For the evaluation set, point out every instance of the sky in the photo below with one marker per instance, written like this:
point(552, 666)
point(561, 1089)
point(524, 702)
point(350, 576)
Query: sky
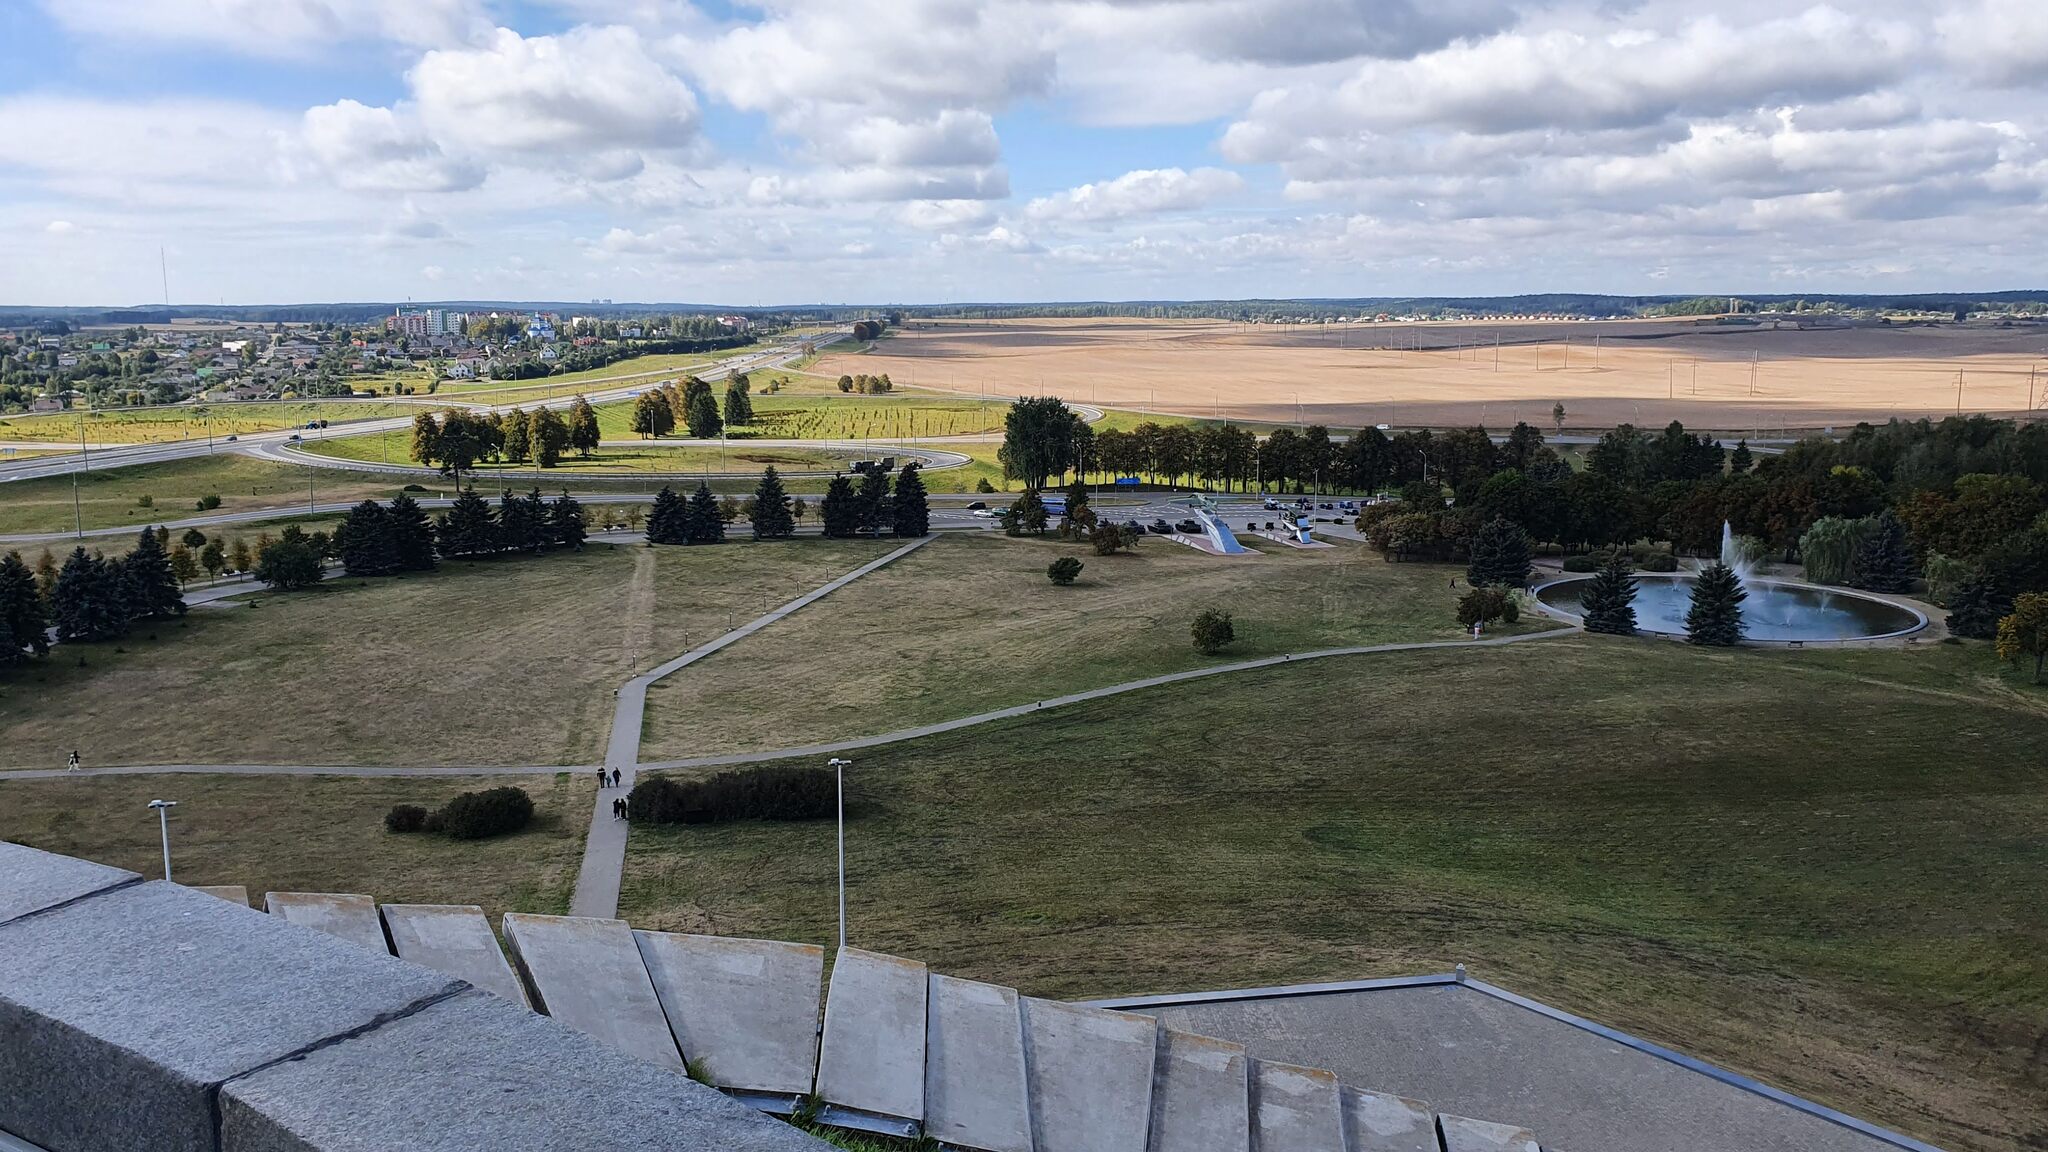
point(863, 151)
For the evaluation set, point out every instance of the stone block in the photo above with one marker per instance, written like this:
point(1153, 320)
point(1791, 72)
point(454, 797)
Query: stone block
point(1378, 1122)
point(1091, 1076)
point(1201, 1095)
point(32, 880)
point(455, 939)
point(872, 1056)
point(1464, 1135)
point(232, 893)
point(587, 973)
point(120, 1013)
point(1295, 1109)
point(747, 1008)
point(975, 1091)
point(476, 1072)
point(352, 918)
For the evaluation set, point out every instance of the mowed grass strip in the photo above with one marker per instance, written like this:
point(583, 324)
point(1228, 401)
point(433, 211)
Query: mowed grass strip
point(312, 834)
point(969, 624)
point(1824, 869)
point(112, 497)
point(157, 425)
point(512, 660)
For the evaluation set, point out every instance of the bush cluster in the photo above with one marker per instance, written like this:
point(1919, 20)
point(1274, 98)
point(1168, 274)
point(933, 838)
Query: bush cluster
point(770, 793)
point(1485, 605)
point(469, 816)
point(1641, 557)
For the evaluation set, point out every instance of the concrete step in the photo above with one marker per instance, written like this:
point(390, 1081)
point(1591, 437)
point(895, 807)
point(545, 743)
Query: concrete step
point(1091, 1075)
point(871, 1060)
point(351, 917)
point(456, 939)
point(232, 893)
point(975, 1091)
point(1465, 1135)
point(587, 973)
point(1378, 1122)
point(1201, 1098)
point(1295, 1109)
point(747, 1008)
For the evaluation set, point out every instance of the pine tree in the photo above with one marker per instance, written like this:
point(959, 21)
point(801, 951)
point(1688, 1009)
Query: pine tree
point(367, 546)
point(1885, 562)
point(86, 604)
point(1715, 617)
point(1742, 459)
point(665, 524)
point(1499, 555)
point(565, 522)
point(584, 435)
point(1977, 606)
point(873, 502)
point(706, 526)
point(12, 653)
point(772, 519)
point(739, 406)
point(1609, 604)
point(412, 534)
point(840, 513)
point(913, 510)
point(149, 588)
point(22, 610)
point(522, 521)
point(468, 528)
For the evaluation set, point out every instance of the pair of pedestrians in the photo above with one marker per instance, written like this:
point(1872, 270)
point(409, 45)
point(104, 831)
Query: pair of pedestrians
point(619, 808)
point(602, 777)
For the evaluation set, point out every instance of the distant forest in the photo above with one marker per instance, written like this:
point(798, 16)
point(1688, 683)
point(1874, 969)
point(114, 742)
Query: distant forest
point(1436, 307)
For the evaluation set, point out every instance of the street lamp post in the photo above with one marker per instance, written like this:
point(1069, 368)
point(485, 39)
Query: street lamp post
point(163, 823)
point(839, 768)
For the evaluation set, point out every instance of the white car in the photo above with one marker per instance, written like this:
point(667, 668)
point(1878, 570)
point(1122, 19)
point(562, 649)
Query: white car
point(985, 513)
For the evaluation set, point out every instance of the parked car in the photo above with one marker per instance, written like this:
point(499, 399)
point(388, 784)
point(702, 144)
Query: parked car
point(984, 513)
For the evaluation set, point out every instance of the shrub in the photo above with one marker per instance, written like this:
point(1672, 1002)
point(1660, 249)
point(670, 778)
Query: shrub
point(432, 822)
point(492, 812)
point(209, 503)
point(1658, 562)
point(983, 486)
point(1063, 570)
point(1588, 563)
point(1484, 605)
point(414, 488)
point(768, 793)
point(1212, 631)
point(145, 501)
point(405, 818)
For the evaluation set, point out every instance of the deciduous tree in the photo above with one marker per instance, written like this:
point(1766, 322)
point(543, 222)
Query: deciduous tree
point(584, 435)
point(2024, 633)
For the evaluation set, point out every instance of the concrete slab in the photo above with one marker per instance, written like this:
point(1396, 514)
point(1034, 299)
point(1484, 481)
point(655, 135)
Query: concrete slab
point(975, 1091)
point(1463, 1135)
point(1091, 1076)
point(351, 917)
point(872, 1055)
point(1378, 1122)
point(32, 880)
point(1295, 1109)
point(232, 893)
point(1201, 1095)
point(477, 1072)
point(747, 1008)
point(456, 939)
point(120, 1013)
point(587, 973)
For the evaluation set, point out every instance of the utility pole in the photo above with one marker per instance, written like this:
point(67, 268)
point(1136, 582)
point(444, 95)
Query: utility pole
point(77, 511)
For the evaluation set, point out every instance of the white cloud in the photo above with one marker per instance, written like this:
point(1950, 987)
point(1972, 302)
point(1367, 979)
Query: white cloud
point(2004, 42)
point(377, 149)
point(1144, 192)
point(587, 90)
point(60, 227)
point(273, 27)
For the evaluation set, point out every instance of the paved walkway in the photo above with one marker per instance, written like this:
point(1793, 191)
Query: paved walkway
point(604, 850)
point(294, 770)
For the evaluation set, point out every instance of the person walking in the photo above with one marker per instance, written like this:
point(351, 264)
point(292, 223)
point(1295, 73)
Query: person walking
point(615, 777)
point(600, 780)
point(72, 765)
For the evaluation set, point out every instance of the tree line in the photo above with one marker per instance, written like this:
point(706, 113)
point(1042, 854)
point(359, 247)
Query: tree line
point(92, 597)
point(459, 439)
point(661, 409)
point(869, 509)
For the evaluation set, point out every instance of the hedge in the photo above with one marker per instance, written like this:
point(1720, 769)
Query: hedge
point(492, 812)
point(769, 793)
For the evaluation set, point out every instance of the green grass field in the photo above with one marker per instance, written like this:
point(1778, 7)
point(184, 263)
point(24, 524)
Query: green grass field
point(191, 422)
point(506, 661)
point(1821, 868)
point(312, 834)
point(819, 416)
point(989, 631)
point(108, 498)
point(658, 456)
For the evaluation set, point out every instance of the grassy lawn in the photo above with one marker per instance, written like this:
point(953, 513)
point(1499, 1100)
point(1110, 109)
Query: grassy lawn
point(1825, 869)
point(508, 661)
point(113, 497)
point(657, 456)
point(970, 623)
point(155, 425)
point(312, 834)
